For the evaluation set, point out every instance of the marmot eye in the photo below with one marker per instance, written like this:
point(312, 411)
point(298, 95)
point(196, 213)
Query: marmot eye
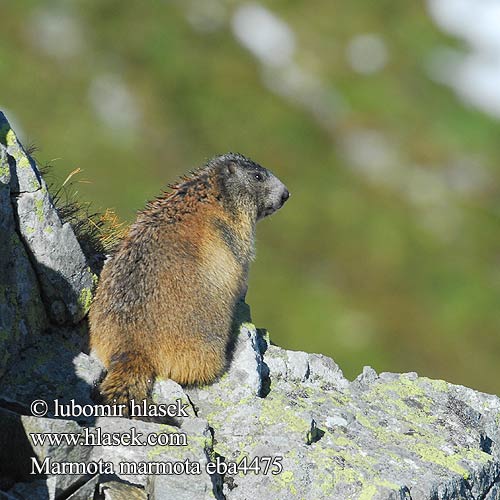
point(258, 177)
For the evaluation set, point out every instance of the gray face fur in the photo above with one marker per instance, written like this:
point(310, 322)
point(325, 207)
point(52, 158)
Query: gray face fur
point(250, 186)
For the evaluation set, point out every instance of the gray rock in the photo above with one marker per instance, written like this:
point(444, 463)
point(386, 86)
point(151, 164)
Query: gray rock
point(60, 453)
point(66, 279)
point(494, 492)
point(87, 491)
point(166, 470)
point(377, 437)
point(114, 490)
point(52, 367)
point(22, 314)
point(41, 489)
point(186, 486)
point(88, 368)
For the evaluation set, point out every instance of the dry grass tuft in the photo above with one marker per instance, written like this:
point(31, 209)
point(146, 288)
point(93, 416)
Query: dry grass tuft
point(98, 233)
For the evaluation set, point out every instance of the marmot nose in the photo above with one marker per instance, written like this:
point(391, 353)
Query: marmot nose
point(285, 196)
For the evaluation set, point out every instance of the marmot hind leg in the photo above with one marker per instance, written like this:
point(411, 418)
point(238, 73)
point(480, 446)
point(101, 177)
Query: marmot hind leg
point(129, 377)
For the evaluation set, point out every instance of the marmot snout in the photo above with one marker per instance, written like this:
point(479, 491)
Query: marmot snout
point(166, 298)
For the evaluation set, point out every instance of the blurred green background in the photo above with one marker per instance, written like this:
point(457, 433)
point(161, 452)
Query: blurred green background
point(388, 252)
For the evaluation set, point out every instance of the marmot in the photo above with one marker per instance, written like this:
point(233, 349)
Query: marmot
point(165, 301)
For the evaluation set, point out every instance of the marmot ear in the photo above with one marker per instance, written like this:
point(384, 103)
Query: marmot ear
point(231, 168)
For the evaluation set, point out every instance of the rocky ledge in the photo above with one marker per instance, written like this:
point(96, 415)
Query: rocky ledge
point(278, 425)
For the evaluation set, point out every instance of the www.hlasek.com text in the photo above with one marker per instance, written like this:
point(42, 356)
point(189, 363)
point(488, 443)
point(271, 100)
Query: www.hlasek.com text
point(96, 437)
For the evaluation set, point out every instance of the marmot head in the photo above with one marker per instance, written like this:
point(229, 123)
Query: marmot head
point(249, 187)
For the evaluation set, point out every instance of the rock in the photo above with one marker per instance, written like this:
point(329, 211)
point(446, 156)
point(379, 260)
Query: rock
point(377, 437)
point(45, 489)
point(190, 484)
point(22, 313)
point(88, 368)
point(60, 453)
point(278, 425)
point(52, 367)
point(114, 490)
point(66, 280)
point(87, 491)
point(170, 445)
point(168, 391)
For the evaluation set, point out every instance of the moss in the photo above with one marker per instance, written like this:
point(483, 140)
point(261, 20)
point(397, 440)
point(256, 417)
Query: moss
point(439, 385)
point(343, 441)
point(436, 456)
point(406, 399)
point(23, 162)
point(5, 170)
point(243, 446)
point(39, 209)
point(382, 434)
point(10, 137)
point(85, 299)
point(285, 481)
point(477, 456)
point(275, 409)
point(368, 492)
point(242, 455)
point(20, 156)
point(350, 466)
point(347, 476)
point(34, 183)
point(387, 484)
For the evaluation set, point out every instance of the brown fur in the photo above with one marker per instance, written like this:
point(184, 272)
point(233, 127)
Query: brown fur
point(166, 298)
